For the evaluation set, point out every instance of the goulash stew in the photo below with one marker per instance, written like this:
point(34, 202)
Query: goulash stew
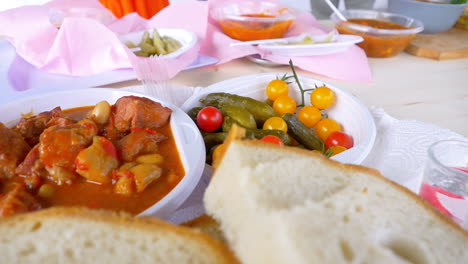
point(120, 157)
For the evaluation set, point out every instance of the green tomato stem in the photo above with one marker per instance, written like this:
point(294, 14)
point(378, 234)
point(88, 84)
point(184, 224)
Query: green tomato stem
point(298, 84)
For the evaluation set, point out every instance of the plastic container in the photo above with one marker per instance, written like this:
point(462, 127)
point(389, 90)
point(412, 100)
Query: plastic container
point(351, 113)
point(187, 136)
point(436, 17)
point(187, 39)
point(380, 42)
point(251, 20)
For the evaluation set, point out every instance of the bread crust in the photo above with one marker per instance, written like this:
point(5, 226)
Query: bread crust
point(208, 225)
point(235, 133)
point(356, 168)
point(123, 220)
point(202, 221)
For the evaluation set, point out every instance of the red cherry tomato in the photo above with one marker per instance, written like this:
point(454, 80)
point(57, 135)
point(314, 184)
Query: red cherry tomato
point(339, 138)
point(272, 139)
point(209, 119)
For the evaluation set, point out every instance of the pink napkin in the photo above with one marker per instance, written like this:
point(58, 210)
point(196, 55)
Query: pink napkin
point(351, 65)
point(90, 45)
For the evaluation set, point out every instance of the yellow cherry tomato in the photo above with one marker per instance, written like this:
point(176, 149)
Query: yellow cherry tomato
point(275, 123)
point(325, 127)
point(284, 104)
point(309, 116)
point(322, 97)
point(336, 150)
point(276, 88)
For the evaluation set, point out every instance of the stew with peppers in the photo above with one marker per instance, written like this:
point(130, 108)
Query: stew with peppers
point(120, 157)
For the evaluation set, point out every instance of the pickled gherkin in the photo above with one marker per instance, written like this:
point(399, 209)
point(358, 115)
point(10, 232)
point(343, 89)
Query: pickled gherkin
point(154, 45)
point(240, 115)
point(260, 110)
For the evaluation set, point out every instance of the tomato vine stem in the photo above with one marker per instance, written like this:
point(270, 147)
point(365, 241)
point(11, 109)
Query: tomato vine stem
point(303, 91)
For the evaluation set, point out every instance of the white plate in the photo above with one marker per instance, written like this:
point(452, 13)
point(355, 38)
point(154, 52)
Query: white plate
point(341, 43)
point(187, 38)
point(187, 136)
point(351, 113)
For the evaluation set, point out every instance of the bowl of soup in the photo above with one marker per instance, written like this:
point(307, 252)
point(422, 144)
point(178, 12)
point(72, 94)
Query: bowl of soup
point(385, 34)
point(97, 148)
point(253, 20)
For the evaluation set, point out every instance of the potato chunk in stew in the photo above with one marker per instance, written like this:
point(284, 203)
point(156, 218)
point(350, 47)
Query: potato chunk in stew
point(133, 175)
point(125, 185)
point(145, 174)
point(97, 161)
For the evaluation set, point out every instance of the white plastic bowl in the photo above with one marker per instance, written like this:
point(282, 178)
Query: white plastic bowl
point(187, 136)
point(351, 113)
point(186, 38)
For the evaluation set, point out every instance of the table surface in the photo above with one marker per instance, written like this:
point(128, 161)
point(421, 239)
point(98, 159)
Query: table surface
point(406, 87)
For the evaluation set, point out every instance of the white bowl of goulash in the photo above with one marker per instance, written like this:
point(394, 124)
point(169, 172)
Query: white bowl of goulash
point(98, 148)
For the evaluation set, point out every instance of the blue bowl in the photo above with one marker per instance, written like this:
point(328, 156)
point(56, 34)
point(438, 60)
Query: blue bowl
point(436, 17)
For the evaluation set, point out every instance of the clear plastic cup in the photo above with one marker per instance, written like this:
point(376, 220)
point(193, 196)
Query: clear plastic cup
point(379, 42)
point(445, 178)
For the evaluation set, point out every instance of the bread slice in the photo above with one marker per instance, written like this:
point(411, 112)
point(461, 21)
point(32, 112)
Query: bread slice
point(76, 235)
point(286, 205)
point(207, 225)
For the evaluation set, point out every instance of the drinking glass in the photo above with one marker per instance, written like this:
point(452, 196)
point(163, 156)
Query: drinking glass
point(445, 179)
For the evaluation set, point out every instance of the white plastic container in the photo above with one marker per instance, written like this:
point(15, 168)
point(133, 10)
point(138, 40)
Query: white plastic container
point(187, 136)
point(186, 38)
point(351, 113)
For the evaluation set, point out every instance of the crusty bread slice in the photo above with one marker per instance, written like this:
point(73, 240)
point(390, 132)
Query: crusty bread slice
point(76, 235)
point(285, 205)
point(208, 225)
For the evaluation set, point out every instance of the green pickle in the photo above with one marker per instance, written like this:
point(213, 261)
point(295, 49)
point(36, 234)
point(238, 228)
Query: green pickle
point(303, 134)
point(130, 44)
point(260, 110)
point(227, 123)
point(156, 45)
point(243, 117)
point(260, 133)
point(213, 139)
point(192, 113)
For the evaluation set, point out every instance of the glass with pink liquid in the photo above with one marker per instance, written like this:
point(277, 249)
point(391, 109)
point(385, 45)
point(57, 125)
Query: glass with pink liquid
point(445, 181)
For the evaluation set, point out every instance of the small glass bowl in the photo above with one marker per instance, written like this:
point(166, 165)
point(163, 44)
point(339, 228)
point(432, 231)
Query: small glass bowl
point(251, 20)
point(379, 43)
